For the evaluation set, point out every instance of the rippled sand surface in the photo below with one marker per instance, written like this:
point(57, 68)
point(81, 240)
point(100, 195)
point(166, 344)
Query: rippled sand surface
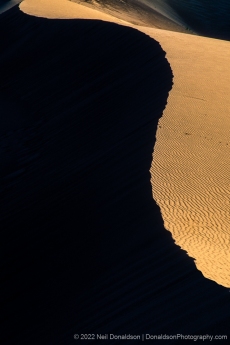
point(190, 170)
point(191, 166)
point(85, 249)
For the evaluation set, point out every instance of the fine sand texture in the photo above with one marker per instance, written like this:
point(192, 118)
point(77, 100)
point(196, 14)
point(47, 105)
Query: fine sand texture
point(190, 171)
point(204, 17)
point(137, 13)
point(84, 248)
point(63, 9)
point(191, 166)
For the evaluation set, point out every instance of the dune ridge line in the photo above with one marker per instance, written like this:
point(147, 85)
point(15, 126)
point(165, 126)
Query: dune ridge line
point(194, 129)
point(95, 252)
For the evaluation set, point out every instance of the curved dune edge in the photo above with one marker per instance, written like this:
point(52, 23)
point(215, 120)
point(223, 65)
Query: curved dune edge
point(156, 288)
point(76, 197)
point(62, 9)
point(190, 169)
point(191, 166)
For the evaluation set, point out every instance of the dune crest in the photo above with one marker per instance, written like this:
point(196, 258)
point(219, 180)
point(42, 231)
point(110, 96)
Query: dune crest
point(76, 197)
point(62, 9)
point(194, 129)
point(93, 252)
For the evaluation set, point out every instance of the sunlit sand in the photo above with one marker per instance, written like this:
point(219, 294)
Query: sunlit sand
point(114, 173)
point(191, 166)
point(61, 9)
point(190, 170)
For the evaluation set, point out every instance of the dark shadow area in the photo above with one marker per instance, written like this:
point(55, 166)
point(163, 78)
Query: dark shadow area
point(82, 241)
point(7, 4)
point(208, 18)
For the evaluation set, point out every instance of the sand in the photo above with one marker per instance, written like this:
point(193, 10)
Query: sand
point(188, 184)
point(75, 164)
point(190, 170)
point(62, 9)
point(85, 248)
point(202, 17)
point(208, 18)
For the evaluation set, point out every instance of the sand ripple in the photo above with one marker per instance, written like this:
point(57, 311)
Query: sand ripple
point(191, 166)
point(85, 248)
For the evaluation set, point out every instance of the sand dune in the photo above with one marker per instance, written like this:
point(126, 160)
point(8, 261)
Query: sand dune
point(209, 18)
point(190, 170)
point(203, 17)
point(137, 13)
point(189, 185)
point(62, 9)
point(76, 166)
point(85, 249)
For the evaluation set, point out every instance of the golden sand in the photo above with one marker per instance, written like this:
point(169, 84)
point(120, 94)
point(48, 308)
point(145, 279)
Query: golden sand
point(191, 167)
point(63, 9)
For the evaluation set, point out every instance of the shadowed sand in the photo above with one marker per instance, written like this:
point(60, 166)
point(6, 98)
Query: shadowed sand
point(203, 17)
point(7, 4)
point(85, 249)
point(135, 12)
point(208, 18)
point(195, 142)
point(75, 184)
